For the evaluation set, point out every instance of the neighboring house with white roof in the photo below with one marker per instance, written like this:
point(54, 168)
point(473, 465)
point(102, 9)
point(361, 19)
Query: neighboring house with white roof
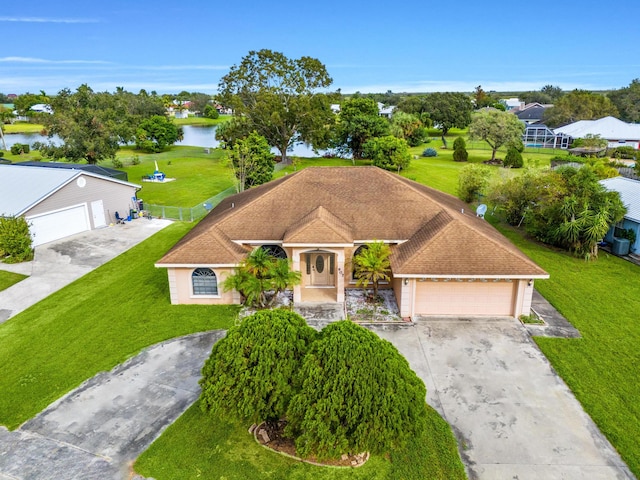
point(629, 191)
point(615, 131)
point(512, 103)
point(386, 112)
point(61, 202)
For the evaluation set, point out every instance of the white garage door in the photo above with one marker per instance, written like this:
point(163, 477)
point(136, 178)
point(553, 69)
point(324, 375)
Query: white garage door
point(59, 224)
point(464, 298)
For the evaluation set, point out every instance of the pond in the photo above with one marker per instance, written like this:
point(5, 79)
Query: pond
point(194, 136)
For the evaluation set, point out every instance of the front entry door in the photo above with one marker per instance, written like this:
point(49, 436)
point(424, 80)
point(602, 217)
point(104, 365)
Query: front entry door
point(320, 269)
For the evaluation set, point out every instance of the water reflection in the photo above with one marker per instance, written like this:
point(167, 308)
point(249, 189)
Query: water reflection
point(194, 136)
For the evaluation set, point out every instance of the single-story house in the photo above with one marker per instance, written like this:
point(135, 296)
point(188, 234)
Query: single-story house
point(531, 113)
point(615, 131)
point(629, 191)
point(445, 260)
point(62, 202)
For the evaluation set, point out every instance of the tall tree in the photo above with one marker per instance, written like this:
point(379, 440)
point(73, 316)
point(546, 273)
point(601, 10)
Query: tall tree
point(278, 97)
point(359, 121)
point(408, 127)
point(482, 99)
point(579, 105)
point(252, 161)
point(83, 122)
point(157, 133)
point(449, 110)
point(496, 128)
point(627, 101)
point(372, 265)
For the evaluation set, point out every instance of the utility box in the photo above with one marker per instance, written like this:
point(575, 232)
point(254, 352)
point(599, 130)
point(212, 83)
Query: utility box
point(620, 246)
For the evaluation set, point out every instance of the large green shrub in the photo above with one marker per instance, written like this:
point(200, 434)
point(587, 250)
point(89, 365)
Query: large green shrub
point(15, 240)
point(251, 373)
point(358, 394)
point(459, 143)
point(19, 148)
point(513, 158)
point(388, 152)
point(460, 155)
point(472, 181)
point(628, 153)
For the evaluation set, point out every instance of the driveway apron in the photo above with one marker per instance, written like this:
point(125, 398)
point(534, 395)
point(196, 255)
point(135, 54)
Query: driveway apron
point(513, 417)
point(99, 429)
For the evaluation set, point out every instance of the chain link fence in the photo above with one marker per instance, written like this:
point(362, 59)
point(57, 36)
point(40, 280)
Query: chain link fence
point(188, 214)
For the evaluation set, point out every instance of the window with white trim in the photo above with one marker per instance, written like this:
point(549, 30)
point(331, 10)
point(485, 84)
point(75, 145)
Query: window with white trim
point(204, 282)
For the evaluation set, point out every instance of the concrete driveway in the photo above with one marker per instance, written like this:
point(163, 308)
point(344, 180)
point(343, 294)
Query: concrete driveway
point(96, 431)
point(513, 417)
point(57, 264)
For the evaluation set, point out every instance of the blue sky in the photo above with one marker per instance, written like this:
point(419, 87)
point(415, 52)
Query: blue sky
point(374, 46)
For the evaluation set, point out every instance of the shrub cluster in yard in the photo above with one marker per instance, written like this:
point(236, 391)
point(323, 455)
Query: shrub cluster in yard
point(429, 152)
point(343, 390)
point(15, 240)
point(19, 148)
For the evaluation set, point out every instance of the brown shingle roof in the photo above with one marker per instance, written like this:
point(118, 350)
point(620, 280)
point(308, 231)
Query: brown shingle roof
point(347, 204)
point(207, 247)
point(319, 226)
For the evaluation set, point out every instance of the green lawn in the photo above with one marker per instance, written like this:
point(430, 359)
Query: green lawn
point(198, 175)
point(22, 127)
point(601, 299)
point(9, 278)
point(202, 446)
point(201, 120)
point(94, 324)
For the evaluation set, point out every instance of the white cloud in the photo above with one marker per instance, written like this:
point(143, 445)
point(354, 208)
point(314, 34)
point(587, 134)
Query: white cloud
point(45, 61)
point(48, 20)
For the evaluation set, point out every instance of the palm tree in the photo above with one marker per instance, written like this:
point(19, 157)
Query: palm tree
point(260, 271)
point(282, 277)
point(372, 265)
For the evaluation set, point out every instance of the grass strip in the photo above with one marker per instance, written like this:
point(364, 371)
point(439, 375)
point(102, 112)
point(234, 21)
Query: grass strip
point(94, 324)
point(198, 445)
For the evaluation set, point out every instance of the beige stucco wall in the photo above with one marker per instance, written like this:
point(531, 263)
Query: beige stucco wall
point(181, 291)
point(114, 196)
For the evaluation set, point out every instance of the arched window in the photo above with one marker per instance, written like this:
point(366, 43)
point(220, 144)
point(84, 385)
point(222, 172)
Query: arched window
point(353, 265)
point(204, 282)
point(275, 251)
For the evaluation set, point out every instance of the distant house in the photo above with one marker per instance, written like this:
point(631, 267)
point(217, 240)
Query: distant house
point(386, 112)
point(531, 113)
point(41, 108)
point(615, 131)
point(335, 108)
point(629, 191)
point(60, 202)
point(512, 103)
point(445, 259)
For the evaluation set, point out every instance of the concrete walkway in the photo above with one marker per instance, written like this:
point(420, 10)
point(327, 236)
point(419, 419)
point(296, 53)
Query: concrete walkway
point(99, 429)
point(57, 264)
point(513, 417)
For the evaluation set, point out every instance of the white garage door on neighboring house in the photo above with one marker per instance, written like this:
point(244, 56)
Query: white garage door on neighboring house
point(51, 226)
point(464, 298)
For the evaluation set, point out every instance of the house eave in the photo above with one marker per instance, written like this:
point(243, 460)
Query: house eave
point(195, 265)
point(476, 277)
